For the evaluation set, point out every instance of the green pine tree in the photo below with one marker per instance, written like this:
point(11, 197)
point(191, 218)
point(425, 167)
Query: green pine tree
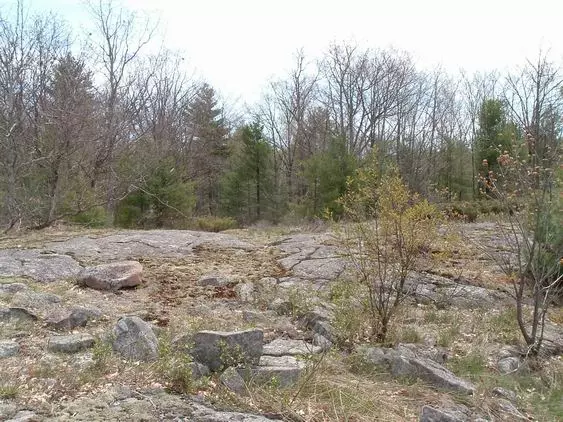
point(247, 186)
point(326, 173)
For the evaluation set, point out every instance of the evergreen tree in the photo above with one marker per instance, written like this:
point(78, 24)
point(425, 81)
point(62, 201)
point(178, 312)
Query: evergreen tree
point(326, 173)
point(248, 185)
point(207, 150)
point(495, 133)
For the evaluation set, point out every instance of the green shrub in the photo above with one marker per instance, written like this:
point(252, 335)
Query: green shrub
point(94, 217)
point(175, 366)
point(351, 320)
point(471, 365)
point(215, 224)
point(8, 392)
point(163, 200)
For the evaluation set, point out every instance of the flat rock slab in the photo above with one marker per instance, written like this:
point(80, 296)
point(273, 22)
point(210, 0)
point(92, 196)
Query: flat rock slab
point(218, 349)
point(205, 414)
point(309, 258)
point(24, 416)
point(37, 264)
point(135, 339)
point(431, 288)
point(281, 347)
point(279, 376)
point(72, 343)
point(149, 243)
point(281, 361)
point(213, 280)
point(8, 348)
point(431, 414)
point(112, 276)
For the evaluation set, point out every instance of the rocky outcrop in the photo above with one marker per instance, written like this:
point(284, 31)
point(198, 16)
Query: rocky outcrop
point(135, 339)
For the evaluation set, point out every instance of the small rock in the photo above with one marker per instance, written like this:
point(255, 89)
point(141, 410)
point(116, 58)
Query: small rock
point(321, 341)
point(78, 317)
point(254, 317)
point(12, 287)
point(505, 393)
point(375, 355)
point(430, 340)
point(281, 307)
point(280, 347)
point(317, 321)
point(199, 370)
point(268, 282)
point(217, 349)
point(7, 410)
point(84, 361)
point(245, 292)
point(431, 414)
point(508, 351)
point(231, 379)
point(134, 339)
point(24, 416)
point(508, 365)
point(508, 407)
point(71, 343)
point(8, 348)
point(213, 280)
point(112, 276)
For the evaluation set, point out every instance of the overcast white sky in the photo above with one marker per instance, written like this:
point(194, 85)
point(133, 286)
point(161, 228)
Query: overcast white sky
point(238, 45)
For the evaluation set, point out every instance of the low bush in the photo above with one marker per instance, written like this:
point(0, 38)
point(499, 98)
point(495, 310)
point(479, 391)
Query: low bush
point(215, 224)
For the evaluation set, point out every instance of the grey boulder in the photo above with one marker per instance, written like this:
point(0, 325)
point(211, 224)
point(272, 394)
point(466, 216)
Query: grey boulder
point(218, 350)
point(135, 339)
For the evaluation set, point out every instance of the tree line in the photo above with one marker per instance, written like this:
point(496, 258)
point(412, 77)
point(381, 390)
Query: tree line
point(106, 132)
